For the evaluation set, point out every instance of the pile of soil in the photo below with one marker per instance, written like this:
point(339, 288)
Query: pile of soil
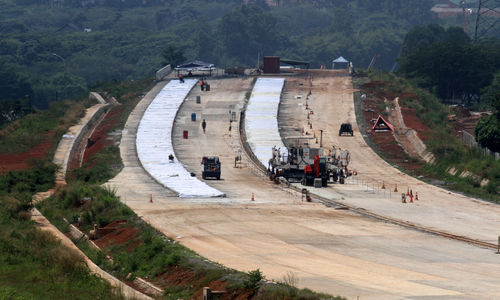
point(120, 234)
point(463, 120)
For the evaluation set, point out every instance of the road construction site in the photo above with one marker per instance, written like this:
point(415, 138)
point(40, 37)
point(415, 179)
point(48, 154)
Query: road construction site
point(353, 246)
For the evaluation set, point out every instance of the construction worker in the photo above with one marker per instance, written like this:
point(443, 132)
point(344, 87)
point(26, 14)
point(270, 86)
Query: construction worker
point(203, 125)
point(202, 84)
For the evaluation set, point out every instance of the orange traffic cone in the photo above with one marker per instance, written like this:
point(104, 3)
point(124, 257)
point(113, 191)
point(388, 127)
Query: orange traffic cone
point(383, 185)
point(396, 188)
point(408, 191)
point(150, 198)
point(416, 196)
point(253, 198)
point(411, 198)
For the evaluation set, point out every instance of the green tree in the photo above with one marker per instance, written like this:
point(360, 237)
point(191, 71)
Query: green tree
point(13, 84)
point(246, 31)
point(488, 93)
point(448, 62)
point(487, 130)
point(253, 279)
point(173, 56)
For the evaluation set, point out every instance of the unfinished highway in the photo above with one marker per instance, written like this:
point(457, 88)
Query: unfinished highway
point(328, 250)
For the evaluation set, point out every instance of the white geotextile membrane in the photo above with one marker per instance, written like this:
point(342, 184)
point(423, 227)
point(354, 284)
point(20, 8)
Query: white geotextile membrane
point(261, 118)
point(154, 143)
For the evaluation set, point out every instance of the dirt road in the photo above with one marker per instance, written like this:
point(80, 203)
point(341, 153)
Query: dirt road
point(332, 104)
point(328, 250)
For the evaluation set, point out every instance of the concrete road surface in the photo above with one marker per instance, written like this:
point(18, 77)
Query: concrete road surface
point(328, 250)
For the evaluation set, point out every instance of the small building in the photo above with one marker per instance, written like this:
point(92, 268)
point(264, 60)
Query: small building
point(340, 63)
point(382, 125)
point(272, 64)
point(199, 67)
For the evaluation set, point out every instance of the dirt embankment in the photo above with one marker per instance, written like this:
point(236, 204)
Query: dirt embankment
point(373, 106)
point(121, 233)
point(21, 161)
point(101, 137)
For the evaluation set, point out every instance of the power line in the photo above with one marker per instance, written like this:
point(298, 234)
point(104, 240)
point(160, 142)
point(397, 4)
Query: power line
point(487, 19)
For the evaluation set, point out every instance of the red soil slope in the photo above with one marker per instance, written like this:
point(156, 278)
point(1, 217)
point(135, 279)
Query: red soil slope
point(20, 161)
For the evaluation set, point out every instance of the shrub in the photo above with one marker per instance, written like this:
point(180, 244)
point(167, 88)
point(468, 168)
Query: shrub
point(253, 279)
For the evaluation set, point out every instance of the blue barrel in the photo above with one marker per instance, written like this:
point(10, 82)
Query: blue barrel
point(193, 117)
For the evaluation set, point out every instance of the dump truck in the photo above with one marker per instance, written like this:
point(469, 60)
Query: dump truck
point(210, 167)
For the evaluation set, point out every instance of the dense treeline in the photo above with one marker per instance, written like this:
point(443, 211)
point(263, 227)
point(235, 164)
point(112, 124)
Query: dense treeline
point(449, 63)
point(56, 49)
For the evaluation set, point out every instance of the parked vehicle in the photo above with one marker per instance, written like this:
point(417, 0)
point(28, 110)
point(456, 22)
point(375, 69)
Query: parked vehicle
point(346, 128)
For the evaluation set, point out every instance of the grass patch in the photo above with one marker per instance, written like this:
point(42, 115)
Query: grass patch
point(23, 184)
point(26, 133)
point(33, 264)
point(103, 166)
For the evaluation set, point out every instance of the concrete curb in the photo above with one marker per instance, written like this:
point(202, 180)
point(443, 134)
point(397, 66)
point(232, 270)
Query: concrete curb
point(412, 136)
point(65, 150)
point(68, 143)
point(97, 97)
point(124, 289)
